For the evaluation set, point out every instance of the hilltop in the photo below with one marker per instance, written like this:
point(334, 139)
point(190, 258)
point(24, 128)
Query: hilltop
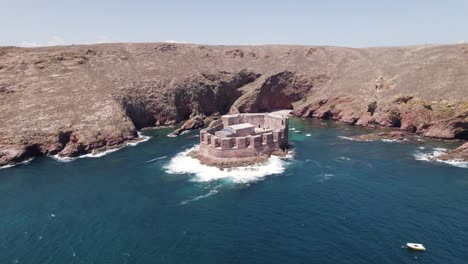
point(71, 100)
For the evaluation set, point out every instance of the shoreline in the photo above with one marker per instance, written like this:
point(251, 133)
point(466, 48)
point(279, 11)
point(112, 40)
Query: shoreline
point(96, 153)
point(141, 138)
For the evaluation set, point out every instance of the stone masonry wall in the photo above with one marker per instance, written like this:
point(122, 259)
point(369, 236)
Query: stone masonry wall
point(248, 146)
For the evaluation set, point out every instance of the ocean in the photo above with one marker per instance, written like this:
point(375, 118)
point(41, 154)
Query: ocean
point(333, 200)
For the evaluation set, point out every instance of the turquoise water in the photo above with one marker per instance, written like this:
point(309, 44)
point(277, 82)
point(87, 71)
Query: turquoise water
point(335, 201)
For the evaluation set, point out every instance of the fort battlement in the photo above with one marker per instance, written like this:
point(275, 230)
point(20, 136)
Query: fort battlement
point(243, 136)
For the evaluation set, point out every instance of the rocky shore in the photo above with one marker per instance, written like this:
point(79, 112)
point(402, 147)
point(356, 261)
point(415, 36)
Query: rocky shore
point(74, 100)
point(458, 154)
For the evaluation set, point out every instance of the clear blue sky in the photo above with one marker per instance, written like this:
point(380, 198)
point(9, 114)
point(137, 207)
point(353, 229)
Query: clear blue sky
point(357, 23)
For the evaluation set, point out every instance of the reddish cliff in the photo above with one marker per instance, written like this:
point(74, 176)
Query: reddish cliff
point(72, 100)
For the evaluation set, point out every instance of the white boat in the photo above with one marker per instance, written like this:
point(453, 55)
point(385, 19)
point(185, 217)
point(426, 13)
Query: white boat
point(416, 246)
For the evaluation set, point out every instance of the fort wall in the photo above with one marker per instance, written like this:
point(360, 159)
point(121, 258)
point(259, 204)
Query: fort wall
point(270, 135)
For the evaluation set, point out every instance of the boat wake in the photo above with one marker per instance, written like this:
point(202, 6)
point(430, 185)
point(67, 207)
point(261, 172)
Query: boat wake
point(196, 198)
point(158, 158)
point(182, 163)
point(437, 152)
point(141, 139)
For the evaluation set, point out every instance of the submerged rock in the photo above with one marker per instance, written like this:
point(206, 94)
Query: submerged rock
point(393, 135)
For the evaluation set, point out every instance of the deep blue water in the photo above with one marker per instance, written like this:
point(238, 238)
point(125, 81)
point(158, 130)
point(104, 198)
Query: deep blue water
point(337, 201)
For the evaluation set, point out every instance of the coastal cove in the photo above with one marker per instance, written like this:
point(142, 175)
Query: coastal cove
point(333, 200)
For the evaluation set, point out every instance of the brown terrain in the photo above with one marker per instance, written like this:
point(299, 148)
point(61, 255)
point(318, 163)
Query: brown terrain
point(72, 100)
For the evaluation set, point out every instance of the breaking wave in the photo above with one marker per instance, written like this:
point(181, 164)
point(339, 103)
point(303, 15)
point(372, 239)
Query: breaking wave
point(367, 140)
point(142, 138)
point(350, 138)
point(343, 158)
point(16, 164)
point(182, 163)
point(391, 140)
point(437, 152)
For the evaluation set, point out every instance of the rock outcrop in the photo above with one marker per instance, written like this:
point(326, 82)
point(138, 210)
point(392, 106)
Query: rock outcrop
point(193, 123)
point(73, 100)
point(392, 135)
point(458, 154)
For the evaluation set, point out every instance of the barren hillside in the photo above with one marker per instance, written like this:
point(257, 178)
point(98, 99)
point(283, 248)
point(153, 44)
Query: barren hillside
point(75, 99)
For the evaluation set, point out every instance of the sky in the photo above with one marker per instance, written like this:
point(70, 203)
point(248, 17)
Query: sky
point(357, 23)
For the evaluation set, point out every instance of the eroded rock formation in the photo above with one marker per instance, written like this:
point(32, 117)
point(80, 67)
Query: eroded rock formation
point(77, 99)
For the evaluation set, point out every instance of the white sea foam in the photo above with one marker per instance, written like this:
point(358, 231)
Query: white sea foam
point(297, 131)
point(308, 135)
point(347, 138)
point(367, 140)
point(171, 135)
point(390, 140)
point(292, 129)
point(89, 155)
point(456, 163)
point(196, 198)
point(184, 164)
point(350, 138)
point(16, 164)
point(324, 177)
point(7, 166)
point(344, 158)
point(141, 138)
point(93, 154)
point(432, 157)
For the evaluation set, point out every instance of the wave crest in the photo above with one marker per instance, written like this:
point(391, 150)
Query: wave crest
point(16, 164)
point(141, 138)
point(437, 152)
point(182, 163)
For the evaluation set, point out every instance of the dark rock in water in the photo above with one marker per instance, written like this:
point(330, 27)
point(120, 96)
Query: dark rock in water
point(393, 135)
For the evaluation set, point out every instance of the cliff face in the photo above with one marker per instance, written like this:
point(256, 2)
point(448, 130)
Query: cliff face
point(72, 100)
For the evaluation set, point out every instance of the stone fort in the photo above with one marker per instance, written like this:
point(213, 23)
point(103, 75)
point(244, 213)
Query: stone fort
point(240, 137)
